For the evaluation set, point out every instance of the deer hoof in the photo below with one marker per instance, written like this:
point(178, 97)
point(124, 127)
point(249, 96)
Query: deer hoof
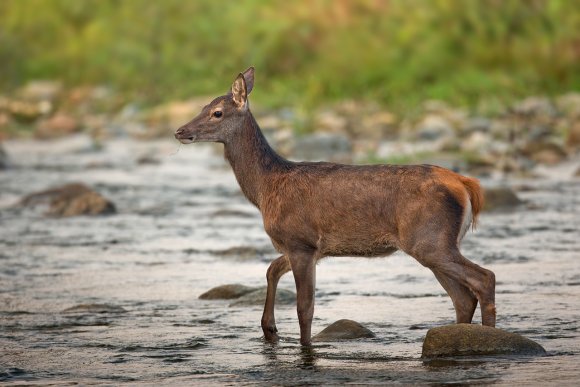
point(271, 334)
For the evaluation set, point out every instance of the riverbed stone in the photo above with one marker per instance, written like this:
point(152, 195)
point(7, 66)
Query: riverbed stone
point(569, 104)
point(500, 198)
point(95, 308)
point(545, 152)
point(257, 297)
point(226, 292)
point(323, 146)
point(40, 90)
point(573, 138)
point(343, 330)
point(71, 200)
point(433, 127)
point(477, 340)
point(535, 106)
point(60, 124)
point(477, 124)
point(3, 158)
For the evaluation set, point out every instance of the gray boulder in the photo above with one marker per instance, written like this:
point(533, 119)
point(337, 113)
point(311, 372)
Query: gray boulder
point(71, 200)
point(323, 147)
point(500, 198)
point(573, 138)
point(535, 106)
point(476, 340)
point(3, 158)
point(226, 292)
point(433, 127)
point(257, 297)
point(343, 330)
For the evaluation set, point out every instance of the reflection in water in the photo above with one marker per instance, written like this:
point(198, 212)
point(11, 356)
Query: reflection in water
point(136, 312)
point(308, 358)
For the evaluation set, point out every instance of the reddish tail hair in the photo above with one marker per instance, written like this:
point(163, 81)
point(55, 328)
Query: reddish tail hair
point(475, 196)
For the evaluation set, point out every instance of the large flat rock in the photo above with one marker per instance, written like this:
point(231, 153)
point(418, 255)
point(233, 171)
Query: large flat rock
point(476, 340)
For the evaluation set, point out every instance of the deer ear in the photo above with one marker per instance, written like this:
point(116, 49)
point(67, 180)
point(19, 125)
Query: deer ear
point(240, 91)
point(249, 77)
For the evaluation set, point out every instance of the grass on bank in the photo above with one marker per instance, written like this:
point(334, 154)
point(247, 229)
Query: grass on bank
point(307, 52)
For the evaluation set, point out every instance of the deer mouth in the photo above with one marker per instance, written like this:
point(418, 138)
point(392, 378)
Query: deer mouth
point(184, 139)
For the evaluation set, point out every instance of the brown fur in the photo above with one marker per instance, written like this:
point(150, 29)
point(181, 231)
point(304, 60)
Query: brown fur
point(314, 210)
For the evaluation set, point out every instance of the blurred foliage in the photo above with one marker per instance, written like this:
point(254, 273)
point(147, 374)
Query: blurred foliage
point(307, 52)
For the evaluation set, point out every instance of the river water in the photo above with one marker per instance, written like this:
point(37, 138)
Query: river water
point(137, 276)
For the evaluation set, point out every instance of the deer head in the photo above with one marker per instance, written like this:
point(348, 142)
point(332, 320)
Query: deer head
point(222, 118)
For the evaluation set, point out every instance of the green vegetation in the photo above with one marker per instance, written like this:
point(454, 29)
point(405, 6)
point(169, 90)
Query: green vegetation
point(306, 52)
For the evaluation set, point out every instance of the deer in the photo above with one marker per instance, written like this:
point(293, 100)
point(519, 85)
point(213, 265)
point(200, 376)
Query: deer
point(313, 210)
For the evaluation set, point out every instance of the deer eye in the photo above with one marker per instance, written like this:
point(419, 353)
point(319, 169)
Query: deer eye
point(217, 113)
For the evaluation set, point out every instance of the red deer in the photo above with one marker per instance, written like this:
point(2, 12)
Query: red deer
point(313, 210)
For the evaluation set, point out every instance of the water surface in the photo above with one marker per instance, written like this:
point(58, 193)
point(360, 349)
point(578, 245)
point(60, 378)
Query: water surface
point(135, 278)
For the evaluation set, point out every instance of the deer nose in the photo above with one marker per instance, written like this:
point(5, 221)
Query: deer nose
point(179, 132)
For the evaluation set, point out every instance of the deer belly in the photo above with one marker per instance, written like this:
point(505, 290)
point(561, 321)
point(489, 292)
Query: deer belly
point(355, 246)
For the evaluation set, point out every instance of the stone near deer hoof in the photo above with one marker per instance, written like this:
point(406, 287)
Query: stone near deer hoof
point(257, 297)
point(226, 292)
point(476, 340)
point(343, 330)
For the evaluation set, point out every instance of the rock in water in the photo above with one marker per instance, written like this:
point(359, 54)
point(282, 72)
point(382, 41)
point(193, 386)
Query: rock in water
point(3, 158)
point(476, 340)
point(257, 297)
point(500, 198)
point(343, 330)
point(94, 308)
point(226, 292)
point(71, 200)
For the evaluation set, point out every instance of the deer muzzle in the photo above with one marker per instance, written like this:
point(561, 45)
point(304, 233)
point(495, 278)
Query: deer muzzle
point(183, 136)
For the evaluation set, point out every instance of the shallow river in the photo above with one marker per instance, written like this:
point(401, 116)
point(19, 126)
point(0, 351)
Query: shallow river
point(179, 211)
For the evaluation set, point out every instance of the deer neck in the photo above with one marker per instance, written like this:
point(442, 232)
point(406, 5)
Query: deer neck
point(253, 160)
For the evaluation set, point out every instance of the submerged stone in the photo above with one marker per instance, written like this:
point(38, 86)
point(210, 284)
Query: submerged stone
point(476, 340)
point(257, 297)
point(226, 292)
point(71, 200)
point(500, 198)
point(95, 308)
point(343, 330)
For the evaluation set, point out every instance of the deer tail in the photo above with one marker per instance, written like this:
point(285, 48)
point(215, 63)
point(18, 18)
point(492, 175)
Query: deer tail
point(475, 196)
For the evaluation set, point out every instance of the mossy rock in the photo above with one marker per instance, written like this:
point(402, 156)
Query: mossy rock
point(476, 340)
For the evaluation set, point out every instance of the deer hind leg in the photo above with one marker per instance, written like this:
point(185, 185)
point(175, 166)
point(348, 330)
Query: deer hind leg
point(464, 301)
point(455, 269)
point(276, 270)
point(480, 281)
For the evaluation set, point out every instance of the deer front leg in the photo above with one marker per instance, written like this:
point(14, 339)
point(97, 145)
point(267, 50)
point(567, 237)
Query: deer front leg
point(304, 269)
point(277, 269)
